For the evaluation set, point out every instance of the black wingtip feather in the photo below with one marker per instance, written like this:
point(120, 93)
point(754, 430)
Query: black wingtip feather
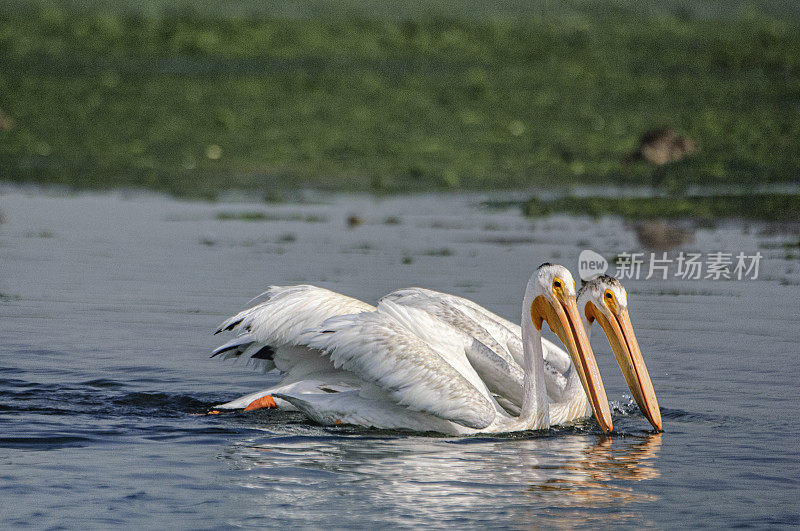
point(238, 346)
point(229, 327)
point(266, 353)
point(233, 325)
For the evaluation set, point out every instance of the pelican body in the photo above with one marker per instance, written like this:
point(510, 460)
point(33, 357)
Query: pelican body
point(400, 367)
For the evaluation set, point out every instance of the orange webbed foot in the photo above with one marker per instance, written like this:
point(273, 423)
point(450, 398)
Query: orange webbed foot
point(264, 402)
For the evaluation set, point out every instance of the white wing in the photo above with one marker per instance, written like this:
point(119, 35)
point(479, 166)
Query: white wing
point(289, 310)
point(417, 359)
point(491, 360)
point(501, 336)
point(278, 321)
point(269, 334)
point(467, 316)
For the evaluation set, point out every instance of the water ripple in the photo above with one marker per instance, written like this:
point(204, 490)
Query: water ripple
point(49, 442)
point(103, 383)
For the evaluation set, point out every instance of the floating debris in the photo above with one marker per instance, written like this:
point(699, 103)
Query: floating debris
point(354, 220)
point(438, 252)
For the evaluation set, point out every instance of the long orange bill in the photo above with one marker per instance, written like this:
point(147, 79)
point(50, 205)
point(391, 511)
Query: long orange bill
point(565, 322)
point(619, 332)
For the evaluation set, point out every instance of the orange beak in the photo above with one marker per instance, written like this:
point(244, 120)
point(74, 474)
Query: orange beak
point(565, 322)
point(619, 332)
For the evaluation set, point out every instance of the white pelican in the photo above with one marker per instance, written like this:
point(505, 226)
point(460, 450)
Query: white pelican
point(400, 367)
point(603, 299)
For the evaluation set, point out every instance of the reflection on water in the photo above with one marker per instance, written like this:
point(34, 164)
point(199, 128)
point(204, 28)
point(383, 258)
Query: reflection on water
point(547, 476)
point(596, 476)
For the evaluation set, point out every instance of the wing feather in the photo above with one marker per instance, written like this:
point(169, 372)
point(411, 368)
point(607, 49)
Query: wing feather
point(467, 316)
point(289, 310)
point(276, 324)
point(427, 376)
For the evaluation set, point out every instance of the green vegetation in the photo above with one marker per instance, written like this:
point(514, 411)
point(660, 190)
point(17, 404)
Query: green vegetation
point(242, 216)
point(40, 234)
point(772, 207)
point(191, 102)
point(266, 216)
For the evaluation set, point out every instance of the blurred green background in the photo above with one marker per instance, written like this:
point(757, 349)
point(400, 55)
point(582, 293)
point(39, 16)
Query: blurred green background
point(194, 98)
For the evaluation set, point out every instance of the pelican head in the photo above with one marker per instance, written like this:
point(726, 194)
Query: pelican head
point(551, 294)
point(605, 300)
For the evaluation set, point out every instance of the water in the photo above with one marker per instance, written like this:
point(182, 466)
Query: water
point(107, 304)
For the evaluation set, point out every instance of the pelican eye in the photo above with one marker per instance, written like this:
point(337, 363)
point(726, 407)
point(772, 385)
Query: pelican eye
point(611, 301)
point(558, 287)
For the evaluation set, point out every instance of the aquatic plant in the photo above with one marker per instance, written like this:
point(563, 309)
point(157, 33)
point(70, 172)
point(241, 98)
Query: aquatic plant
point(197, 100)
point(770, 207)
